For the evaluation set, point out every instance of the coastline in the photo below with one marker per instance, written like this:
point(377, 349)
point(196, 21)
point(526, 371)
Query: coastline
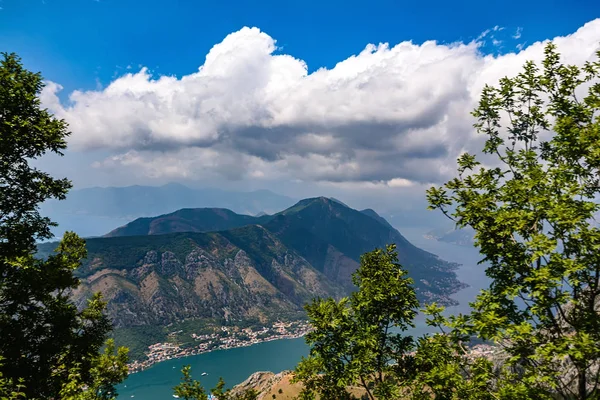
point(227, 338)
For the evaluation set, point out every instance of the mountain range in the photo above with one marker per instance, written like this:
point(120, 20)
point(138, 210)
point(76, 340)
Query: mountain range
point(212, 264)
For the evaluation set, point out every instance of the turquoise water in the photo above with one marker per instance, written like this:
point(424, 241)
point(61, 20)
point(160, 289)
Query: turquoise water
point(235, 365)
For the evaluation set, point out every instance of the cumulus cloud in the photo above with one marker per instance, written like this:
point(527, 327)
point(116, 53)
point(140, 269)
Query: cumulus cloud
point(392, 115)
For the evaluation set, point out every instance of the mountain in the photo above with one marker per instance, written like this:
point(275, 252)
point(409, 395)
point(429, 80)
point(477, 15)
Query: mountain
point(327, 233)
point(461, 237)
point(161, 279)
point(332, 237)
point(186, 282)
point(94, 211)
point(183, 270)
point(186, 220)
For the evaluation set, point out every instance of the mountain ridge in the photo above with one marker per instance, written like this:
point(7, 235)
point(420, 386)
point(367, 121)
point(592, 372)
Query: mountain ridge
point(204, 219)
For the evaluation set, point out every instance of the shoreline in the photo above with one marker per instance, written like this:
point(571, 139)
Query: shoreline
point(160, 352)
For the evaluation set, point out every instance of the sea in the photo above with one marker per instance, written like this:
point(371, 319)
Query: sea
point(235, 365)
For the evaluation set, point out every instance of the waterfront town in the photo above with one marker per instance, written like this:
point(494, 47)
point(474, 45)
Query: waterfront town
point(222, 338)
point(232, 337)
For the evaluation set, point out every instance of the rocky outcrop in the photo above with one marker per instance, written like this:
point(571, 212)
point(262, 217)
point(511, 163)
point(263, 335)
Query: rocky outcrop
point(263, 382)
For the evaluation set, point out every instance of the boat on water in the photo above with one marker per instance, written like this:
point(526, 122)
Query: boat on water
point(203, 374)
point(175, 396)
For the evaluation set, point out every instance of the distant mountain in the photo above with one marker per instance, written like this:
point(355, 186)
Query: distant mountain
point(94, 211)
point(415, 217)
point(461, 237)
point(186, 220)
point(214, 264)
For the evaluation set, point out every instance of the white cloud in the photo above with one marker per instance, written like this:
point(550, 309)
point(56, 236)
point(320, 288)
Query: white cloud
point(491, 31)
point(518, 33)
point(390, 115)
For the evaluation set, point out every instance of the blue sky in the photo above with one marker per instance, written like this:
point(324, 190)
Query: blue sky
point(159, 91)
point(76, 41)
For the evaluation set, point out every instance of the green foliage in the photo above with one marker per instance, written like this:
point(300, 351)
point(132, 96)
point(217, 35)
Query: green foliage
point(43, 336)
point(219, 389)
point(532, 202)
point(107, 370)
point(26, 132)
point(190, 389)
point(447, 370)
point(442, 366)
point(8, 389)
point(356, 340)
point(138, 338)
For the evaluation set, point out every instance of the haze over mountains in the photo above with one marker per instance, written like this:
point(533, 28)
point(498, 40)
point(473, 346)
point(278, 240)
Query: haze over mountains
point(214, 264)
point(448, 234)
point(94, 211)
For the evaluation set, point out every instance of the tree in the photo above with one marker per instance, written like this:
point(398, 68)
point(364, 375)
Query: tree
point(533, 207)
point(107, 370)
point(190, 389)
point(8, 389)
point(358, 340)
point(43, 336)
point(446, 370)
